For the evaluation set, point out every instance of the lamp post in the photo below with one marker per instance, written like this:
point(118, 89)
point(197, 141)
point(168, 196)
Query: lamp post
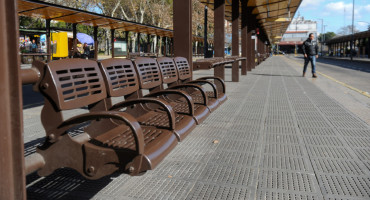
point(324, 35)
point(322, 31)
point(353, 18)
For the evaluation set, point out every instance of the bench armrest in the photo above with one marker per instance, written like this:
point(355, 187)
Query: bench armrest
point(124, 117)
point(186, 96)
point(214, 87)
point(166, 106)
point(186, 85)
point(222, 82)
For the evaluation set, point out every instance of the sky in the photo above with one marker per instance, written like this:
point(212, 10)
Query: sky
point(336, 13)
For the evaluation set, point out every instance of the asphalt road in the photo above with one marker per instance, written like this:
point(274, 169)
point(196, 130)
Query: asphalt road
point(355, 74)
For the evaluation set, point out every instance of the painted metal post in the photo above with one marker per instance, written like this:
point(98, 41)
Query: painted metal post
point(165, 47)
point(74, 39)
point(172, 48)
point(112, 41)
point(48, 43)
point(253, 52)
point(182, 29)
point(219, 38)
point(96, 44)
point(12, 172)
point(235, 39)
point(249, 48)
point(138, 42)
point(148, 46)
point(205, 31)
point(127, 46)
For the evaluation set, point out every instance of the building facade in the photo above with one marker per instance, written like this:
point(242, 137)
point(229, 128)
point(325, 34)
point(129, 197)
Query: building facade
point(296, 34)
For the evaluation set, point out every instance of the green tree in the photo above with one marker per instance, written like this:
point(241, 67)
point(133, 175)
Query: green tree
point(327, 36)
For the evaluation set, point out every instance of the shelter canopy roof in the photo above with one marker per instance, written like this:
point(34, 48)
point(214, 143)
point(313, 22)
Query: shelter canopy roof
point(38, 9)
point(273, 16)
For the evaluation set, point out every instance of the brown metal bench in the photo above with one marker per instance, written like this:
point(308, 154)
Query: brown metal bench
point(133, 56)
point(183, 120)
point(185, 76)
point(112, 140)
point(171, 77)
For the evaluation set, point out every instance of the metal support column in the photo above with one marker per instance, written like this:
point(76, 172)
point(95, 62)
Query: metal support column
point(249, 48)
point(253, 52)
point(235, 39)
point(74, 39)
point(245, 41)
point(205, 31)
point(182, 29)
point(96, 44)
point(48, 43)
point(13, 181)
point(219, 38)
point(126, 38)
point(138, 42)
point(112, 41)
point(148, 46)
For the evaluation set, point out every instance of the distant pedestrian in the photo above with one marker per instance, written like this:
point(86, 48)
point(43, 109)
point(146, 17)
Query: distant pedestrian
point(86, 53)
point(310, 50)
point(33, 46)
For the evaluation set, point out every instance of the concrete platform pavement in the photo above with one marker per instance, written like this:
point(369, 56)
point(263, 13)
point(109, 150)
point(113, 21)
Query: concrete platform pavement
point(279, 136)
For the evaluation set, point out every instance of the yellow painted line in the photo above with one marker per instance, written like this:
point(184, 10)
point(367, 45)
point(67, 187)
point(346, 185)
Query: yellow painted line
point(341, 83)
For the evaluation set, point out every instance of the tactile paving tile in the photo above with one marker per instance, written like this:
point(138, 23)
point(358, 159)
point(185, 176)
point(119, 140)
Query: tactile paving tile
point(233, 158)
point(329, 152)
point(221, 192)
point(349, 125)
point(284, 162)
point(283, 123)
point(317, 118)
point(358, 142)
point(69, 184)
point(207, 131)
point(345, 186)
point(316, 131)
point(322, 140)
point(155, 188)
point(275, 138)
point(343, 119)
point(284, 149)
point(355, 132)
point(197, 142)
point(287, 180)
point(183, 152)
point(306, 123)
point(279, 129)
point(250, 134)
point(231, 175)
point(237, 145)
point(179, 169)
point(363, 153)
point(282, 195)
point(338, 166)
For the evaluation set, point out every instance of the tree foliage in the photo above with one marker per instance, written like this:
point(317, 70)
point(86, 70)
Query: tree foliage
point(327, 36)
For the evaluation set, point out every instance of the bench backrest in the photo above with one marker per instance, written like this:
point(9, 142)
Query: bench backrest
point(120, 76)
point(73, 83)
point(148, 72)
point(168, 69)
point(183, 68)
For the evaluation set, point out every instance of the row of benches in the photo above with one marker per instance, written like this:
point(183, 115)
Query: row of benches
point(160, 106)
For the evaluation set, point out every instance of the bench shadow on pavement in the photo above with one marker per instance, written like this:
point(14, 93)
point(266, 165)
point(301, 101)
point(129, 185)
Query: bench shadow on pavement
point(31, 98)
point(64, 183)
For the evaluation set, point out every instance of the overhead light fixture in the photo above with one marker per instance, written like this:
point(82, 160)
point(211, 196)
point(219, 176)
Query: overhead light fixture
point(281, 19)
